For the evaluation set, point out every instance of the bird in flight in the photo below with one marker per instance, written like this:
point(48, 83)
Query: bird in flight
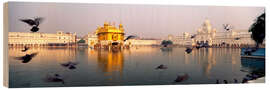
point(27, 57)
point(130, 37)
point(227, 27)
point(25, 49)
point(55, 78)
point(193, 36)
point(237, 38)
point(70, 65)
point(34, 23)
point(181, 78)
point(162, 67)
point(188, 50)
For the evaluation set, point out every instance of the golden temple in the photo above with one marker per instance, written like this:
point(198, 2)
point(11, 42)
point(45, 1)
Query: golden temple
point(110, 33)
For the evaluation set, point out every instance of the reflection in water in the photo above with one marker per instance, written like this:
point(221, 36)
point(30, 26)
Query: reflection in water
point(111, 61)
point(58, 54)
point(253, 64)
point(135, 66)
point(206, 57)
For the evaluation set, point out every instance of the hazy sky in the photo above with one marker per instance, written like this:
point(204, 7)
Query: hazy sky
point(143, 20)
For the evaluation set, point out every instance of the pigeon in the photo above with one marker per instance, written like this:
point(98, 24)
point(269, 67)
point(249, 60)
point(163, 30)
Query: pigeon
point(193, 36)
point(55, 78)
point(225, 81)
point(33, 23)
point(235, 81)
point(227, 27)
point(188, 50)
point(223, 43)
point(25, 49)
point(217, 81)
point(237, 38)
point(245, 80)
point(129, 37)
point(162, 67)
point(198, 46)
point(181, 78)
point(115, 43)
point(70, 65)
point(27, 57)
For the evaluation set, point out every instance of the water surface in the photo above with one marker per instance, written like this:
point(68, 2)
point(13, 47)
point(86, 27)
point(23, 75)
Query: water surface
point(135, 66)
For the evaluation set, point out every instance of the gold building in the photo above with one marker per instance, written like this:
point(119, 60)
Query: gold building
point(41, 39)
point(109, 34)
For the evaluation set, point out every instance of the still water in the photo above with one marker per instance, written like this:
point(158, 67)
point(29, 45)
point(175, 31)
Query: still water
point(135, 66)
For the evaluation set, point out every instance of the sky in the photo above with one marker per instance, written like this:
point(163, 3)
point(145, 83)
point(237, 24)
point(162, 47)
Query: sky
point(148, 21)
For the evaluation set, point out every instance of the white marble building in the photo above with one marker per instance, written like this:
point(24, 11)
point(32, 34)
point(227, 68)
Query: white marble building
point(208, 34)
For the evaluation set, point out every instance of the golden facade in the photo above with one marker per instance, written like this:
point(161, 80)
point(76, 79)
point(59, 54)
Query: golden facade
point(110, 33)
point(29, 38)
point(111, 61)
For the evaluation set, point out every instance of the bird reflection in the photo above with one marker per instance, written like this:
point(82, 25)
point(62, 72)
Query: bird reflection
point(27, 58)
point(34, 23)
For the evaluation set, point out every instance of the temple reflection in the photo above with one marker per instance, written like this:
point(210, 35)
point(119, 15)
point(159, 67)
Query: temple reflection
point(110, 61)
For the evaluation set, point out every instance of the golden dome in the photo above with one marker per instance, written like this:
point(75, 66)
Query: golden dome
point(106, 23)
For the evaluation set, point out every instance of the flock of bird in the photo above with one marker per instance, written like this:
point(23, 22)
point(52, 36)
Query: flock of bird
point(179, 78)
point(248, 77)
point(226, 27)
point(34, 23)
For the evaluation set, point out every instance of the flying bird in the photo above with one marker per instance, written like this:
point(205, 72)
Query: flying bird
point(70, 65)
point(181, 78)
point(193, 36)
point(115, 43)
point(217, 81)
point(225, 81)
point(25, 49)
point(235, 81)
point(27, 57)
point(162, 67)
point(237, 38)
point(130, 37)
point(55, 78)
point(188, 50)
point(227, 27)
point(33, 23)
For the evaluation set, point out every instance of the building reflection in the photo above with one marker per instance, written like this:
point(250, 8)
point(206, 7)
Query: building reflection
point(207, 58)
point(46, 55)
point(110, 61)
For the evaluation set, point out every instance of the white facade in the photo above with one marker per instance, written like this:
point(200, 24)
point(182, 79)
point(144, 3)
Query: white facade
point(139, 42)
point(92, 40)
point(29, 38)
point(206, 33)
